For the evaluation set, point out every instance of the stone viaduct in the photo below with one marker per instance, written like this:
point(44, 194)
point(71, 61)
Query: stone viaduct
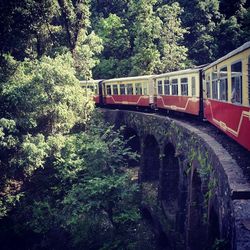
point(193, 192)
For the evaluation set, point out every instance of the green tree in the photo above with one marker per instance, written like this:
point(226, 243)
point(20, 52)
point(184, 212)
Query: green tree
point(173, 54)
point(114, 61)
point(46, 96)
point(28, 28)
point(228, 28)
point(233, 29)
point(42, 98)
point(102, 9)
point(82, 44)
point(31, 29)
point(200, 18)
point(146, 55)
point(231, 7)
point(83, 190)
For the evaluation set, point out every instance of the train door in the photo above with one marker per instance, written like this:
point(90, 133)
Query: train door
point(201, 95)
point(100, 91)
point(152, 92)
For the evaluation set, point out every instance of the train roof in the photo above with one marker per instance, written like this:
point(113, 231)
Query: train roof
point(131, 78)
point(180, 72)
point(232, 53)
point(82, 82)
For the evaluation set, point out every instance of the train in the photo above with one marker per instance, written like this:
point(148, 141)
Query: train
point(218, 92)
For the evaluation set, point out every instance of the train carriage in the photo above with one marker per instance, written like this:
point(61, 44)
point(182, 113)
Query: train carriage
point(92, 87)
point(132, 91)
point(227, 94)
point(179, 91)
point(220, 91)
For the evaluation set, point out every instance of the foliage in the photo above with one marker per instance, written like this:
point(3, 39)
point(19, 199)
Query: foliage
point(31, 29)
point(173, 55)
point(83, 189)
point(41, 99)
point(138, 36)
point(146, 28)
point(116, 42)
point(46, 96)
point(27, 27)
point(83, 46)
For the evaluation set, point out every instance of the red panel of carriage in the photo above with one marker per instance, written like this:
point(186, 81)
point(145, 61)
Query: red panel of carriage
point(179, 103)
point(137, 100)
point(96, 99)
point(233, 119)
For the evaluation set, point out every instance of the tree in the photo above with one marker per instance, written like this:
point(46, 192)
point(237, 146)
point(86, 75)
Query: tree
point(200, 18)
point(234, 25)
point(228, 28)
point(27, 28)
point(46, 96)
point(82, 191)
point(82, 44)
point(231, 7)
point(103, 8)
point(42, 98)
point(173, 55)
point(31, 29)
point(117, 50)
point(146, 56)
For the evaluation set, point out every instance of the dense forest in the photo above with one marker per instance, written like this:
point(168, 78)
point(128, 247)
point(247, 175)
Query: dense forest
point(124, 37)
point(63, 177)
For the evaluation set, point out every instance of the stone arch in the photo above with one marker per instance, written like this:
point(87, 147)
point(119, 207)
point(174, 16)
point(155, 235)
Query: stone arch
point(134, 143)
point(182, 202)
point(169, 181)
point(196, 231)
point(151, 159)
point(213, 221)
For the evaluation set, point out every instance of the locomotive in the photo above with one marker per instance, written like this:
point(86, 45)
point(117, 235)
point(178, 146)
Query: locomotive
point(218, 92)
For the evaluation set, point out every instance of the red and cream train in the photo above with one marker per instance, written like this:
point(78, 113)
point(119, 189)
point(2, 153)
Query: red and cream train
point(218, 92)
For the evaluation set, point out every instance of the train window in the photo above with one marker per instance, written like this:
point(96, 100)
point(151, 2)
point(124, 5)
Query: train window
point(214, 85)
point(122, 89)
point(138, 89)
point(159, 87)
point(208, 86)
point(115, 89)
point(249, 80)
point(174, 86)
point(130, 89)
point(166, 87)
point(223, 84)
point(108, 90)
point(145, 91)
point(96, 89)
point(193, 86)
point(236, 76)
point(184, 86)
point(91, 88)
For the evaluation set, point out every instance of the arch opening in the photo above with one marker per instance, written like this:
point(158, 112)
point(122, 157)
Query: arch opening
point(213, 224)
point(169, 183)
point(133, 142)
point(170, 193)
point(151, 160)
point(196, 233)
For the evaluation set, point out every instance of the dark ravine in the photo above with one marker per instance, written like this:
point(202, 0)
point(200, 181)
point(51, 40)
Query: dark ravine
point(190, 183)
